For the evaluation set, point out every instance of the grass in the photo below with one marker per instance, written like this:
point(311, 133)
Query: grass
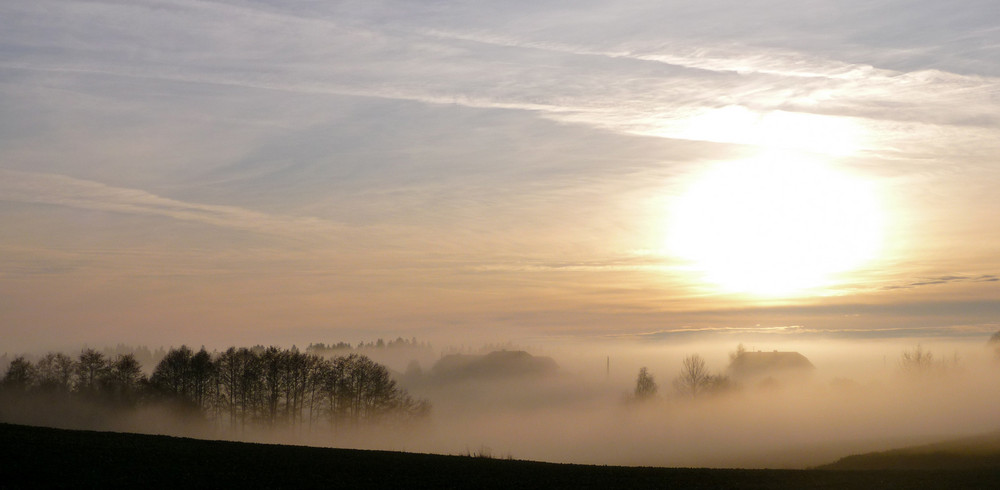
point(34, 457)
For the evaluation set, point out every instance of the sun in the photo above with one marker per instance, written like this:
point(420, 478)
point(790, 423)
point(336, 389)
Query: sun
point(775, 225)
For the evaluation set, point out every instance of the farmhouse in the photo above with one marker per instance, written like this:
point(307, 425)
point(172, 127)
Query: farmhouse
point(508, 364)
point(755, 366)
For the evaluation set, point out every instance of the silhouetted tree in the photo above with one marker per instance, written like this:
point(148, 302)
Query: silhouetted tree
point(202, 378)
point(718, 384)
point(243, 381)
point(645, 385)
point(124, 380)
point(55, 372)
point(20, 375)
point(227, 372)
point(377, 390)
point(335, 390)
point(258, 385)
point(91, 368)
point(410, 408)
point(272, 362)
point(297, 381)
point(172, 376)
point(694, 376)
point(740, 350)
point(916, 361)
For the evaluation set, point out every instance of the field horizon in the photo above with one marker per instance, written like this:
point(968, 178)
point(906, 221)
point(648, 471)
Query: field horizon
point(59, 458)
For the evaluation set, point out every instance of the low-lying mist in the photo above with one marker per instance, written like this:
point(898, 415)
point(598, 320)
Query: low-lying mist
point(861, 396)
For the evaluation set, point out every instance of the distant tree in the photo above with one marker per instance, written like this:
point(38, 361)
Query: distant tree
point(272, 362)
point(335, 393)
point(91, 368)
point(259, 385)
point(357, 390)
point(995, 343)
point(228, 370)
point(740, 350)
point(124, 380)
point(20, 375)
point(240, 385)
point(300, 385)
point(55, 372)
point(413, 370)
point(693, 378)
point(202, 371)
point(718, 384)
point(645, 385)
point(312, 396)
point(409, 408)
point(369, 387)
point(916, 361)
point(172, 375)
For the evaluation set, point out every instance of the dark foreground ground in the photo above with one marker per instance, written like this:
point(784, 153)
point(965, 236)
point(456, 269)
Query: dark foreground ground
point(969, 453)
point(51, 458)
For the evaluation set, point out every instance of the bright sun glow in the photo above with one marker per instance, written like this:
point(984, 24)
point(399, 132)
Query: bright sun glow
point(775, 225)
point(777, 129)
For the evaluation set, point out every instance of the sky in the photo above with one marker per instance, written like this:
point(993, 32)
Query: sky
point(240, 172)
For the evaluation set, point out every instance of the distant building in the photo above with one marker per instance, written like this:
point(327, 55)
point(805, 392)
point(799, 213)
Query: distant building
point(497, 364)
point(772, 366)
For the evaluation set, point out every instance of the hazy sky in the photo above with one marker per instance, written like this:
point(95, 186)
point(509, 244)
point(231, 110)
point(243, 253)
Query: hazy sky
point(231, 172)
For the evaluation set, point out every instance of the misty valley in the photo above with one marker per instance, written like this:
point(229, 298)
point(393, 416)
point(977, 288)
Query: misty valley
point(706, 403)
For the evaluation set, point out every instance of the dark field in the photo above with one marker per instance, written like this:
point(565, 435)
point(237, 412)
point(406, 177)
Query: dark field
point(46, 458)
point(970, 453)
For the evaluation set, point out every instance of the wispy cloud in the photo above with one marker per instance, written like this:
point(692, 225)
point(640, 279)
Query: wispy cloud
point(28, 187)
point(493, 150)
point(939, 280)
point(788, 332)
point(647, 87)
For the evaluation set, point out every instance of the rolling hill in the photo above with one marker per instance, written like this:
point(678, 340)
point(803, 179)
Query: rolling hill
point(970, 453)
point(34, 457)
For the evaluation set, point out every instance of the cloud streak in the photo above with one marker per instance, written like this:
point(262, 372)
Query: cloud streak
point(558, 80)
point(498, 160)
point(940, 280)
point(37, 188)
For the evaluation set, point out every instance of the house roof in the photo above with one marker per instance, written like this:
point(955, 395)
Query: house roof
point(768, 363)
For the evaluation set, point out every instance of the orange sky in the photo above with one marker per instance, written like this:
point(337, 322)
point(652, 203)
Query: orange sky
point(267, 173)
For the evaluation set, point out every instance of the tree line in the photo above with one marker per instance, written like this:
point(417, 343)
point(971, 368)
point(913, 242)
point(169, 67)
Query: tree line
point(694, 380)
point(399, 343)
point(235, 388)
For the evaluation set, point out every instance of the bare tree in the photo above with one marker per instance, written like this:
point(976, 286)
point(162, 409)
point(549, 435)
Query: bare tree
point(645, 385)
point(172, 375)
point(203, 373)
point(20, 375)
point(916, 361)
point(55, 372)
point(124, 380)
point(740, 350)
point(91, 369)
point(272, 366)
point(336, 398)
point(694, 376)
point(239, 384)
point(718, 384)
point(257, 385)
